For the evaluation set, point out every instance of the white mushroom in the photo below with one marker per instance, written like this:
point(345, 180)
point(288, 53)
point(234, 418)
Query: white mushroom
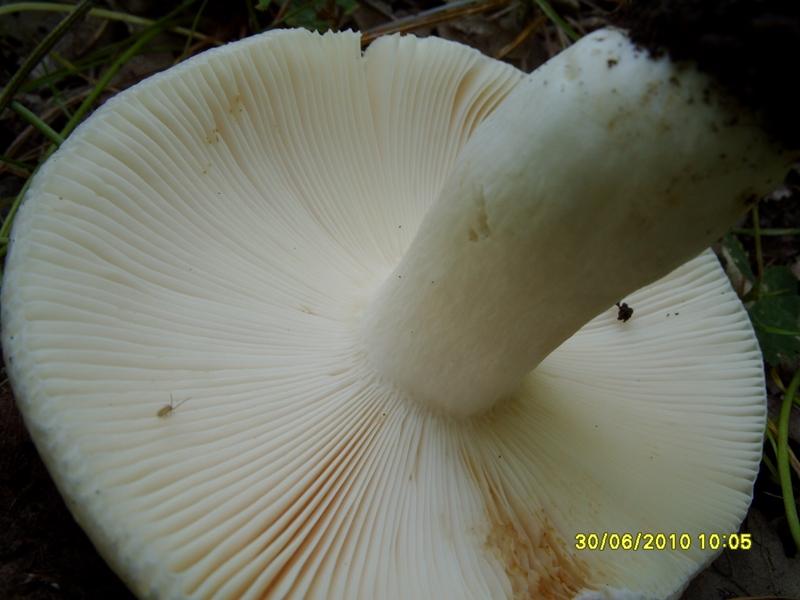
point(272, 318)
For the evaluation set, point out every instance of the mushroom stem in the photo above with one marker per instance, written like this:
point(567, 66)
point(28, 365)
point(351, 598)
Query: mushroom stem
point(602, 171)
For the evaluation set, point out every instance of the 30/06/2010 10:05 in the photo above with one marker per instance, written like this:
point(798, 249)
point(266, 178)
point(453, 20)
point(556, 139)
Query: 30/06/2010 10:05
point(662, 541)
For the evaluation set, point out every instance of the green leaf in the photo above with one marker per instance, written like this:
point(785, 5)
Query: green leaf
point(778, 281)
point(776, 319)
point(347, 6)
point(306, 16)
point(263, 4)
point(316, 14)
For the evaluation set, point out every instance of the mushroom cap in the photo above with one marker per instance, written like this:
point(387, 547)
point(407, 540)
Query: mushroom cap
point(180, 313)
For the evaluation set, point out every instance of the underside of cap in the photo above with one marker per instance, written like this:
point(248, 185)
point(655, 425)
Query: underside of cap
point(180, 314)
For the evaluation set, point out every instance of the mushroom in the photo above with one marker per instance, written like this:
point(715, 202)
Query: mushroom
point(272, 318)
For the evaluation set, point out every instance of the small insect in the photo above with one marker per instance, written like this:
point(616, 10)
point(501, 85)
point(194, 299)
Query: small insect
point(624, 313)
point(168, 409)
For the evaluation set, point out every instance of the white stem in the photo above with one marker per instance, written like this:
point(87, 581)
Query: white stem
point(604, 170)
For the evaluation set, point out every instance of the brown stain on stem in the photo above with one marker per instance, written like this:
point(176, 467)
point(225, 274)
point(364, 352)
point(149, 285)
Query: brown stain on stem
point(481, 230)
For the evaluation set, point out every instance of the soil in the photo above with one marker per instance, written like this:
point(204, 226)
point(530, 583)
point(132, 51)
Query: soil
point(743, 44)
point(44, 555)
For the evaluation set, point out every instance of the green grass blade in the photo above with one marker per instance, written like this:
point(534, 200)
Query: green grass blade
point(144, 37)
point(784, 472)
point(17, 166)
point(100, 13)
point(757, 236)
point(777, 231)
point(34, 120)
point(773, 330)
point(548, 10)
point(5, 229)
point(773, 470)
point(97, 58)
point(195, 21)
point(41, 50)
point(776, 379)
point(771, 438)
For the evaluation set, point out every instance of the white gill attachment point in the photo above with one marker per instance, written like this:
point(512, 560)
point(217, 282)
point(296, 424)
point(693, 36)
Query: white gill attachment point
point(604, 170)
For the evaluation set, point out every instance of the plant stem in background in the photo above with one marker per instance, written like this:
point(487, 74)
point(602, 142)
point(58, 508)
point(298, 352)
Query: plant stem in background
point(144, 37)
point(523, 35)
point(41, 50)
point(769, 232)
point(5, 229)
point(769, 434)
point(776, 379)
point(430, 17)
point(100, 13)
point(784, 471)
point(545, 7)
point(34, 120)
point(189, 38)
point(17, 167)
point(757, 234)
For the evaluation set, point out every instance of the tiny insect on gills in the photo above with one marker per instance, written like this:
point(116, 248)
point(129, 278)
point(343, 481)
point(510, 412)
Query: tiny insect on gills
point(168, 409)
point(624, 313)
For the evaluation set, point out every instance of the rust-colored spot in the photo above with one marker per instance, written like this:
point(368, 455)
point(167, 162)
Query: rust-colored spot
point(571, 71)
point(535, 557)
point(651, 90)
point(214, 136)
point(310, 527)
point(481, 230)
point(620, 116)
point(235, 104)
